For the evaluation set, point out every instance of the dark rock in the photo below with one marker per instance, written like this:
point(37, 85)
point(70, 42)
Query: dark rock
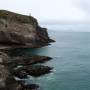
point(33, 70)
point(30, 87)
point(19, 73)
point(38, 70)
point(29, 60)
point(12, 84)
point(51, 40)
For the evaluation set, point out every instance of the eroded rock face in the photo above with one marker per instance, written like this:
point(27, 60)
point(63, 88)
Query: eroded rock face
point(4, 73)
point(16, 29)
point(20, 31)
point(7, 81)
point(21, 67)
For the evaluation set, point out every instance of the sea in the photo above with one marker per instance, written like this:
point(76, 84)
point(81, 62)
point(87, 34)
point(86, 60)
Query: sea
point(71, 58)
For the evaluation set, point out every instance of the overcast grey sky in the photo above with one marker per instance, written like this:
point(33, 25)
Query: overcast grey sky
point(43, 10)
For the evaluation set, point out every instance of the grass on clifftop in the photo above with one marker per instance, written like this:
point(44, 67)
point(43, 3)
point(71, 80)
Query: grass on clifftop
point(11, 16)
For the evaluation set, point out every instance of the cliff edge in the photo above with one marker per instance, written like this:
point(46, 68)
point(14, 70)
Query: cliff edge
point(18, 30)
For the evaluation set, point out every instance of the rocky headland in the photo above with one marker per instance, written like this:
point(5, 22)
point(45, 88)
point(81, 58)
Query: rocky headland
point(21, 31)
point(17, 32)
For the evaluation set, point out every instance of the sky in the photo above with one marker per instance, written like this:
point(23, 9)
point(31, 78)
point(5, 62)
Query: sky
point(51, 10)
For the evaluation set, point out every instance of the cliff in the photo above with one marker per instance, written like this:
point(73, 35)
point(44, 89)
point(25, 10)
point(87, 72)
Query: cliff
point(18, 30)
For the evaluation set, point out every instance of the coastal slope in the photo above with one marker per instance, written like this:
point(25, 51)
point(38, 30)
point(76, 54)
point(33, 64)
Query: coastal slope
point(21, 31)
point(16, 33)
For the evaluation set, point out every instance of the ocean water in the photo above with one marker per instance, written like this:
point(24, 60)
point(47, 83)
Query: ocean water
point(71, 61)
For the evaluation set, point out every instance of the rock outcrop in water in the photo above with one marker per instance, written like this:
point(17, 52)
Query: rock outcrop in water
point(9, 70)
point(18, 31)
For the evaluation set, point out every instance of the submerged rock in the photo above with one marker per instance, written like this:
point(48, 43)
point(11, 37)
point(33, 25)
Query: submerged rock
point(23, 31)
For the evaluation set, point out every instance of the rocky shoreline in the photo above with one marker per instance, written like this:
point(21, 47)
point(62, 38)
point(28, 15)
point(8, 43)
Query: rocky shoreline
point(21, 67)
point(17, 32)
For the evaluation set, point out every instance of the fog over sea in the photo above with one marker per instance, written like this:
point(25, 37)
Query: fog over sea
point(71, 58)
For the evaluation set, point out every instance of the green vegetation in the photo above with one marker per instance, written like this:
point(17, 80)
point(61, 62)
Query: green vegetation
point(17, 17)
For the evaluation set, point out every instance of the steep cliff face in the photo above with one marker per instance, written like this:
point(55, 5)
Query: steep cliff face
point(21, 30)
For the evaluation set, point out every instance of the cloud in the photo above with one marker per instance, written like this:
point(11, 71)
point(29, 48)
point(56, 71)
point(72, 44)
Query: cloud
point(83, 5)
point(63, 10)
point(56, 10)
